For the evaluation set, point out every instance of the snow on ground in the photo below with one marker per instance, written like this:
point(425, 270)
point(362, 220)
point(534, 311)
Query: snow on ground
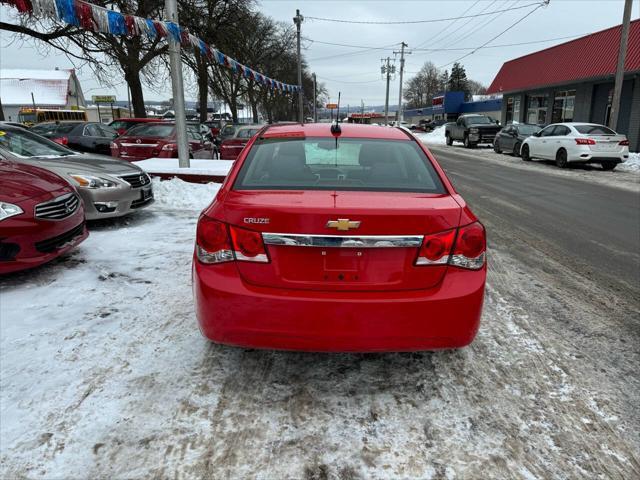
point(198, 167)
point(436, 137)
point(631, 165)
point(105, 375)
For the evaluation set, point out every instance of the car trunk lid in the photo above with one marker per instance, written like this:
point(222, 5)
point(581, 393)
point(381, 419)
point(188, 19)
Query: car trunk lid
point(314, 241)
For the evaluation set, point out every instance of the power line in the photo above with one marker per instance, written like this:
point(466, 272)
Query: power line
point(502, 45)
point(496, 36)
point(447, 26)
point(466, 35)
point(441, 40)
point(383, 47)
point(404, 22)
point(351, 83)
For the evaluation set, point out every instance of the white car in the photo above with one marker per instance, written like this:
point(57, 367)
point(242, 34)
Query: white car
point(577, 143)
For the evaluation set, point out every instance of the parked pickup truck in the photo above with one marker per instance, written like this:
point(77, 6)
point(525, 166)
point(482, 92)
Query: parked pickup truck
point(472, 130)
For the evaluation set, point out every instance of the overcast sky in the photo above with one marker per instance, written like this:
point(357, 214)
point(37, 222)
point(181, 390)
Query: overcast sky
point(356, 71)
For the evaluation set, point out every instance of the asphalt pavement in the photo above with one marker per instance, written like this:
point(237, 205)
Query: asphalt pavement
point(590, 228)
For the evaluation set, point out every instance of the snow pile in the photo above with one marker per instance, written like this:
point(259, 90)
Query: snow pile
point(176, 193)
point(631, 165)
point(198, 167)
point(436, 137)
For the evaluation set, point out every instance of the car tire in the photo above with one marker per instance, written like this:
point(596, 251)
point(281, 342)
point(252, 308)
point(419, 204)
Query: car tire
point(561, 158)
point(516, 149)
point(608, 166)
point(496, 146)
point(467, 143)
point(525, 153)
point(449, 140)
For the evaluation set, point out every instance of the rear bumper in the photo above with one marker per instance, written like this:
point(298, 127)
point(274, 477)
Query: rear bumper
point(232, 312)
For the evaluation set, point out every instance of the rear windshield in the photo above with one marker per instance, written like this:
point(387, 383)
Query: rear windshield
point(479, 120)
point(151, 130)
point(345, 164)
point(528, 129)
point(53, 128)
point(247, 132)
point(594, 130)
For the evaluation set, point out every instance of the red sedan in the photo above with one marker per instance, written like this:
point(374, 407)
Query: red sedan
point(231, 146)
point(121, 125)
point(41, 217)
point(346, 241)
point(158, 140)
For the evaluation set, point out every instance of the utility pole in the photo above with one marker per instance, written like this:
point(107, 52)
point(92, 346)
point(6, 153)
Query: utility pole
point(177, 88)
point(402, 54)
point(315, 99)
point(622, 53)
point(298, 21)
point(387, 69)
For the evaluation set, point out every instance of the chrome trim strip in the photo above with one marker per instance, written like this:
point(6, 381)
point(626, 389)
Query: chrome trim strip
point(139, 144)
point(342, 241)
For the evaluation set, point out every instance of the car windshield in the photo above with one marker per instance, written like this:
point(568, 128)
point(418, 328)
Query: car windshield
point(342, 164)
point(479, 120)
point(527, 129)
point(151, 130)
point(594, 130)
point(53, 128)
point(247, 132)
point(24, 143)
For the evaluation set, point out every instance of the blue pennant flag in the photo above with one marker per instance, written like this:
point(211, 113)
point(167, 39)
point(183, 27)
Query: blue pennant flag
point(116, 23)
point(67, 12)
point(174, 31)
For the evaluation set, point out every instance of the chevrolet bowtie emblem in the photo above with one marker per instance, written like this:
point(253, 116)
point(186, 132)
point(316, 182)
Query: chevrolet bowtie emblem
point(343, 224)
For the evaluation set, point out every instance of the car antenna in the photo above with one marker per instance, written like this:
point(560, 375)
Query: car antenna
point(335, 127)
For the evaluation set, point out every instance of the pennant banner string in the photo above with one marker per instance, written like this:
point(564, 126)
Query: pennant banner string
point(99, 19)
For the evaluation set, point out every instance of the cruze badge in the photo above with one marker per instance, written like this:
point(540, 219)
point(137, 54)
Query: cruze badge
point(256, 220)
point(343, 224)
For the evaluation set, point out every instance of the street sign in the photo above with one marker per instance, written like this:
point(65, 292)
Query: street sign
point(332, 106)
point(103, 98)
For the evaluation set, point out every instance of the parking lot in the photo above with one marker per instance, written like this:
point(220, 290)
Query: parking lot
point(106, 375)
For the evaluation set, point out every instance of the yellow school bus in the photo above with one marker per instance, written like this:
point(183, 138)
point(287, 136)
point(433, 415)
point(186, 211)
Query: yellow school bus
point(30, 116)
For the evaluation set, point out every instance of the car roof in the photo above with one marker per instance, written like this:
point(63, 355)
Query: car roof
point(349, 130)
point(134, 119)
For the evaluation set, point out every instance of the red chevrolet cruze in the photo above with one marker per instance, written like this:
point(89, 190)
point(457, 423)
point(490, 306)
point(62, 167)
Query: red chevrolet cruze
point(41, 217)
point(351, 240)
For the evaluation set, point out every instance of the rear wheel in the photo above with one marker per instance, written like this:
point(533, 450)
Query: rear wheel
point(608, 165)
point(516, 149)
point(496, 146)
point(525, 153)
point(561, 158)
point(449, 140)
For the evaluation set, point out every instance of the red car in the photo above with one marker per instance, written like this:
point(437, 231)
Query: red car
point(231, 146)
point(41, 217)
point(158, 140)
point(346, 241)
point(121, 125)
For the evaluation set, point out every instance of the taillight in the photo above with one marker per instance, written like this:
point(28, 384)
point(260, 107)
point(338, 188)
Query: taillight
point(248, 245)
point(585, 141)
point(212, 241)
point(470, 247)
point(464, 247)
point(436, 248)
point(217, 243)
point(624, 143)
point(61, 140)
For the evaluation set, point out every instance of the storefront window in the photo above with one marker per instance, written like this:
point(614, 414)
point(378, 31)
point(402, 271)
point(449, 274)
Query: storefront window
point(563, 104)
point(537, 109)
point(516, 109)
point(509, 116)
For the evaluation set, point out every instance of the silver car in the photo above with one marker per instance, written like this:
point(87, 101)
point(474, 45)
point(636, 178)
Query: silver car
point(108, 187)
